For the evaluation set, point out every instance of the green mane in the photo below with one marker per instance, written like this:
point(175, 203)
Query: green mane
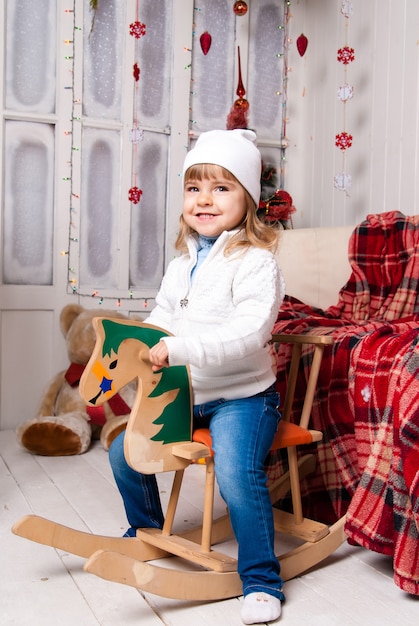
point(116, 333)
point(176, 418)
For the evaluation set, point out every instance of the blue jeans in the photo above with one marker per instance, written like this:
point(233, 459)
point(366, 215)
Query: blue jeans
point(242, 432)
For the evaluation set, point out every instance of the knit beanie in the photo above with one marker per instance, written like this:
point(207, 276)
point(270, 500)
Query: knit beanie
point(236, 151)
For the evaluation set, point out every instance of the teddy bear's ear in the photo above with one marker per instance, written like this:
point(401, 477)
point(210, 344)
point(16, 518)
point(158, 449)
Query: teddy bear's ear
point(68, 315)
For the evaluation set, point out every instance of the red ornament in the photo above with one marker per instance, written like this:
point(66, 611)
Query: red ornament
point(302, 43)
point(346, 55)
point(237, 118)
point(278, 207)
point(240, 8)
point(205, 41)
point(134, 195)
point(137, 29)
point(136, 72)
point(343, 141)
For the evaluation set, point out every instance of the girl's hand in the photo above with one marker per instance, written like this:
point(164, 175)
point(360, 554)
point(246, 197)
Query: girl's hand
point(159, 356)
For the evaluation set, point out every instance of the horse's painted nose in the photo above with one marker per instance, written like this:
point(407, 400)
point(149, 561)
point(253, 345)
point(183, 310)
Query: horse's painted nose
point(106, 384)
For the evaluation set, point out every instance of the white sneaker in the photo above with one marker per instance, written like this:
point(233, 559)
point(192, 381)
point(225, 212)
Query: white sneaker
point(259, 608)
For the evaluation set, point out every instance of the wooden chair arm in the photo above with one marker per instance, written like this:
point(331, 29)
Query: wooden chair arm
point(311, 339)
point(298, 341)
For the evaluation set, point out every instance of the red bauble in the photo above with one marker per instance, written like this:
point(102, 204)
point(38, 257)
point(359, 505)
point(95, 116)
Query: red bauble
point(302, 43)
point(240, 8)
point(205, 41)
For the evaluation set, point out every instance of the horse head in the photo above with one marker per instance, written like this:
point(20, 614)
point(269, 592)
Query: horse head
point(161, 414)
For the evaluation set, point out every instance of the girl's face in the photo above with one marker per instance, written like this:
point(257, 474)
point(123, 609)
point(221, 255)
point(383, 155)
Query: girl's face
point(212, 205)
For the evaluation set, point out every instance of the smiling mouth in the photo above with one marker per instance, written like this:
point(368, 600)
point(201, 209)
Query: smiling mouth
point(205, 216)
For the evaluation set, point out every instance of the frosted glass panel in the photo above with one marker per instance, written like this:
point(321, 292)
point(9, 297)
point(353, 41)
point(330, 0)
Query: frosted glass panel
point(28, 203)
point(213, 74)
point(154, 54)
point(148, 217)
point(103, 59)
point(31, 55)
point(99, 216)
point(214, 84)
point(265, 89)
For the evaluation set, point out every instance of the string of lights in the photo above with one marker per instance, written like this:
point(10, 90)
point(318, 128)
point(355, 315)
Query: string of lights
point(73, 90)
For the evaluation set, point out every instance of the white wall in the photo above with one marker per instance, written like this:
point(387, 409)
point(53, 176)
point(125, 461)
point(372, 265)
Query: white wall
point(382, 115)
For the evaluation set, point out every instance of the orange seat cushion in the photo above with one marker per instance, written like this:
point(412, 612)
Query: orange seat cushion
point(290, 435)
point(287, 435)
point(203, 435)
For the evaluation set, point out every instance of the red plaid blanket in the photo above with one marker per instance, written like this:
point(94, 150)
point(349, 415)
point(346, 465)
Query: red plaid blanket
point(368, 395)
point(384, 512)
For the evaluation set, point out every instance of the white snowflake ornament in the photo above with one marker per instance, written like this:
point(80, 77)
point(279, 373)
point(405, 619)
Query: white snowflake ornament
point(343, 181)
point(345, 92)
point(347, 8)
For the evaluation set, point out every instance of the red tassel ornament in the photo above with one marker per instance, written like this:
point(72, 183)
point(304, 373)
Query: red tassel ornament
point(238, 116)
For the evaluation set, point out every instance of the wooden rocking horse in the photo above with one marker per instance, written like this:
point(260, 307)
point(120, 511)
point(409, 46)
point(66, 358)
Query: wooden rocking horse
point(159, 438)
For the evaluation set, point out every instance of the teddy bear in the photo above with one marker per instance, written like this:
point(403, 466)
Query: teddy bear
point(63, 424)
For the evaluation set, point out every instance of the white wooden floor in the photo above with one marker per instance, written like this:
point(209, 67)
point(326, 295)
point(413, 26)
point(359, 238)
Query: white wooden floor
point(41, 586)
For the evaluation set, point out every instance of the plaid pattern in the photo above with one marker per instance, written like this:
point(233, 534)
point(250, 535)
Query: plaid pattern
point(384, 512)
point(384, 257)
point(367, 402)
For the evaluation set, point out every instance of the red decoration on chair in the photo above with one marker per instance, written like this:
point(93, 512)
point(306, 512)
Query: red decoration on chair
point(238, 116)
point(205, 40)
point(302, 43)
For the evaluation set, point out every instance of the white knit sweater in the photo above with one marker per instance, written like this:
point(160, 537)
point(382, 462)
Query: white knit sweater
point(223, 322)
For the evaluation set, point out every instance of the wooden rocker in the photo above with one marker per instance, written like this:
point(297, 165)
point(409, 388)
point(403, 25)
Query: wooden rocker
point(159, 438)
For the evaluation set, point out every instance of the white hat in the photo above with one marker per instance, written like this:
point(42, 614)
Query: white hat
point(236, 151)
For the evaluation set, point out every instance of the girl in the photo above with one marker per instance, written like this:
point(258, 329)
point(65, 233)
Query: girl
point(220, 299)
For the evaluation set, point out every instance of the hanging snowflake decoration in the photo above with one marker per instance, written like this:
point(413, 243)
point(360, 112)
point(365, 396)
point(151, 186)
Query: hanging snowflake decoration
point(346, 55)
point(347, 8)
point(137, 29)
point(345, 92)
point(343, 140)
point(134, 195)
point(343, 181)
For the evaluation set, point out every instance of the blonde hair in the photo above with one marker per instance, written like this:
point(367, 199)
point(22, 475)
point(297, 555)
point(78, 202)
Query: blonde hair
point(253, 232)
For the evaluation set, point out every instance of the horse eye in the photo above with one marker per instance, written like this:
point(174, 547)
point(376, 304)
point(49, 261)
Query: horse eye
point(113, 364)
